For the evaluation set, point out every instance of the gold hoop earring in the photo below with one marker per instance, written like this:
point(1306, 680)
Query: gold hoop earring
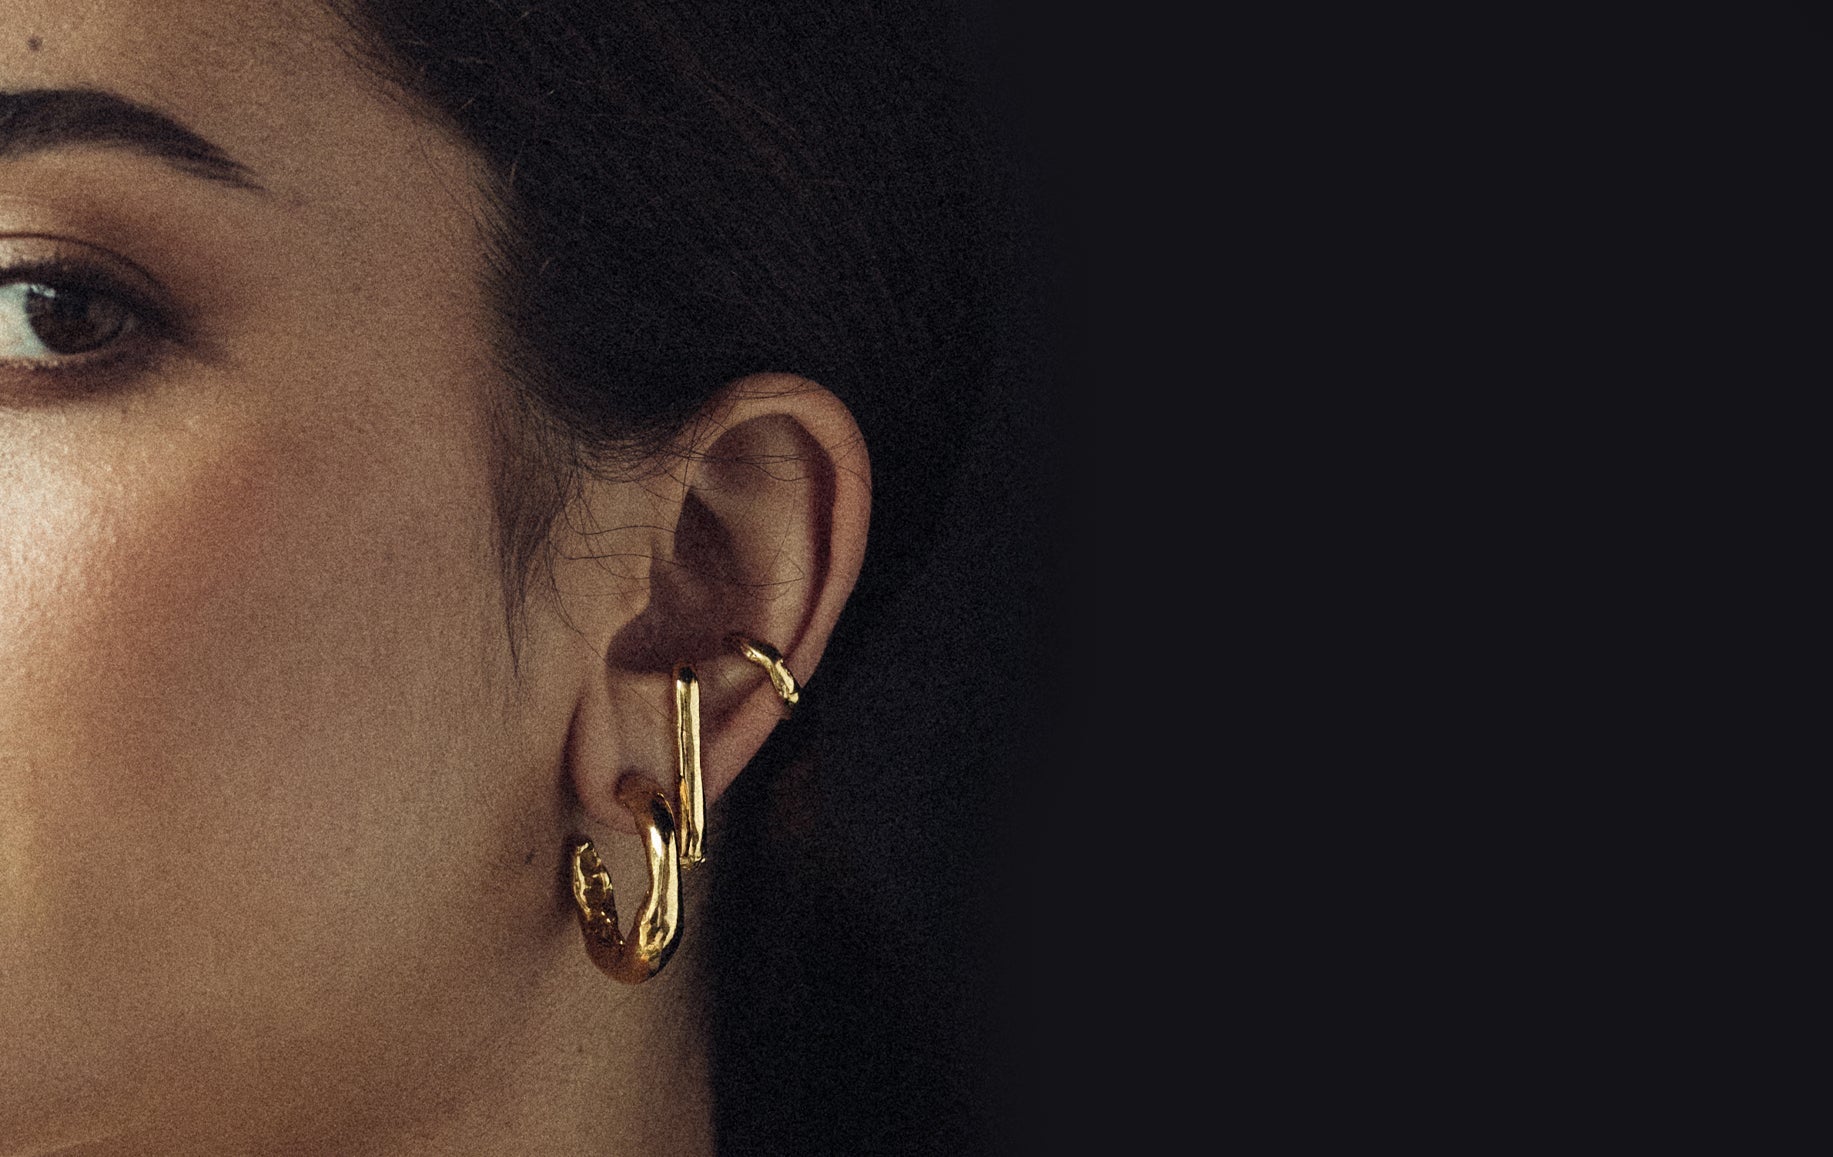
point(657, 930)
point(688, 785)
point(771, 660)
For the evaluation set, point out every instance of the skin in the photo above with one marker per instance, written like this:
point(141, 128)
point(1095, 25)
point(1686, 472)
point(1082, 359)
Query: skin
point(282, 824)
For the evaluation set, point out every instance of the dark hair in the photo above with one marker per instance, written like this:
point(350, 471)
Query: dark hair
point(686, 193)
point(683, 193)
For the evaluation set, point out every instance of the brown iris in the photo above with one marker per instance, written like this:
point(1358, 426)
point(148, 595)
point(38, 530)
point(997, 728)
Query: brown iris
point(73, 320)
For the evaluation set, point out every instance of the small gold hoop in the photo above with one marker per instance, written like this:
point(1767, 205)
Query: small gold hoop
point(771, 660)
point(657, 930)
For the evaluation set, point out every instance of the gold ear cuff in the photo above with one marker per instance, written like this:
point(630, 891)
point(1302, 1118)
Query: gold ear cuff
point(771, 660)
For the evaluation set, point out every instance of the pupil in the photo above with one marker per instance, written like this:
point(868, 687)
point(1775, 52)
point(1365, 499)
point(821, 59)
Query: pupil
point(72, 321)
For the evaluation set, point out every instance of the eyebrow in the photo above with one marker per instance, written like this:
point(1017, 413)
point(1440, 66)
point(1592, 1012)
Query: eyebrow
point(36, 120)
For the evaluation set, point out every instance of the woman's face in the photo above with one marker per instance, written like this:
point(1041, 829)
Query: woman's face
point(268, 787)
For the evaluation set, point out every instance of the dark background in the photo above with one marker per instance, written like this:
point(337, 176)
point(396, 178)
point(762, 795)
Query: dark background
point(895, 969)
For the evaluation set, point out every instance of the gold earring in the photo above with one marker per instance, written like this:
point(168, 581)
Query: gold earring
point(771, 660)
point(657, 930)
point(688, 785)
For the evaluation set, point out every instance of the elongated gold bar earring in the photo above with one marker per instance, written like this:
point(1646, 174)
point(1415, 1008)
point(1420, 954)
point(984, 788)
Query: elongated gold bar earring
point(657, 930)
point(771, 660)
point(689, 787)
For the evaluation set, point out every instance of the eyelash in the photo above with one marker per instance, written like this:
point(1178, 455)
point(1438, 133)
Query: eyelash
point(151, 323)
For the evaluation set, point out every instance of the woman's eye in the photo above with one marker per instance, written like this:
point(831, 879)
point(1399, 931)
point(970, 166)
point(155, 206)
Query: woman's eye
point(39, 321)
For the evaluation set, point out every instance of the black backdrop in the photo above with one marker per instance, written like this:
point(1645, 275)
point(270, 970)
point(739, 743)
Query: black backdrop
point(876, 923)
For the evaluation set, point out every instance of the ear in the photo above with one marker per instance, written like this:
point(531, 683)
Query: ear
point(755, 524)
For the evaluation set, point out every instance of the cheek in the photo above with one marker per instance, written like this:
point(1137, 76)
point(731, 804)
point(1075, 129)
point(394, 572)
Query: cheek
point(119, 568)
point(236, 665)
point(236, 585)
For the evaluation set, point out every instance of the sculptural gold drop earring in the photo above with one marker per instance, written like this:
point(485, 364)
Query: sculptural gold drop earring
point(669, 848)
point(652, 940)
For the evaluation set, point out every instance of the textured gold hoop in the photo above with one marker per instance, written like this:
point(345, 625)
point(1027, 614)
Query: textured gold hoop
point(771, 660)
point(657, 930)
point(687, 758)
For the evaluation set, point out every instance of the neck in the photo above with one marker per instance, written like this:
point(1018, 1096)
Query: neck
point(556, 1058)
point(591, 1068)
